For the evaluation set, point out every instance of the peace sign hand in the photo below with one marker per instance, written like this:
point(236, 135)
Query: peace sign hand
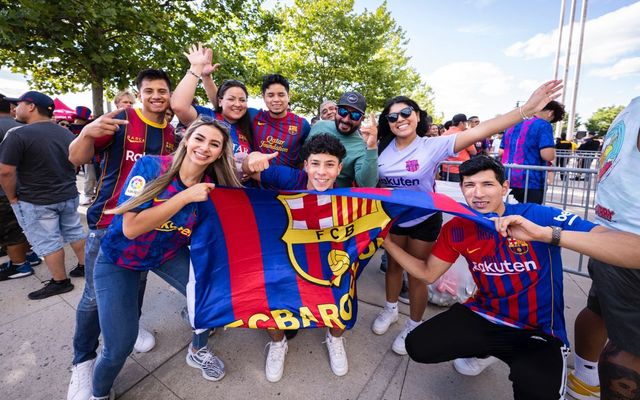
point(369, 131)
point(105, 125)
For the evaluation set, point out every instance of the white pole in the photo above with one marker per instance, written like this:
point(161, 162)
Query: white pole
point(572, 17)
point(576, 79)
point(560, 29)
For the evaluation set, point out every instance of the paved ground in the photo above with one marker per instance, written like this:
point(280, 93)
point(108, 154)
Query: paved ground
point(35, 352)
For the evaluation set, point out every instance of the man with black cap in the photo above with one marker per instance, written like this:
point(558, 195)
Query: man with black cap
point(46, 202)
point(360, 166)
point(451, 173)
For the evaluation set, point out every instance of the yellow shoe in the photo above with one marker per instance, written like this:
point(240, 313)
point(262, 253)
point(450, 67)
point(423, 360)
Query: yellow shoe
point(580, 390)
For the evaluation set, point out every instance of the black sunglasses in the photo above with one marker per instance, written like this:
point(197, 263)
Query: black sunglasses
point(354, 115)
point(404, 113)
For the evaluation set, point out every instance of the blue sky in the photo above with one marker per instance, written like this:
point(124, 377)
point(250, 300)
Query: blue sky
point(481, 56)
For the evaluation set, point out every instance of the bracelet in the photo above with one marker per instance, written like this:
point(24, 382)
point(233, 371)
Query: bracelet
point(522, 114)
point(555, 235)
point(200, 77)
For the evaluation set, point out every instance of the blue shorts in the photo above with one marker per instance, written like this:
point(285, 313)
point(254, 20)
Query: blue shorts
point(49, 227)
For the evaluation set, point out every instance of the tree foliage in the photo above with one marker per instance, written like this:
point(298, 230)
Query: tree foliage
point(325, 48)
point(70, 46)
point(602, 118)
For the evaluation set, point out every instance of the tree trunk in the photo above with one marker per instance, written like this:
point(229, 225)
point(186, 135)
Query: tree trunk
point(97, 92)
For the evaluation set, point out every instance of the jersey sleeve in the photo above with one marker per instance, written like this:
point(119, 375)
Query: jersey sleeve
point(551, 216)
point(545, 136)
point(11, 149)
point(144, 171)
point(306, 129)
point(366, 168)
point(205, 111)
point(283, 177)
point(440, 147)
point(443, 248)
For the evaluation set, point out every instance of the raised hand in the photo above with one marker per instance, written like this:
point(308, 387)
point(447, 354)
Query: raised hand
point(257, 162)
point(198, 57)
point(542, 96)
point(105, 125)
point(369, 131)
point(209, 68)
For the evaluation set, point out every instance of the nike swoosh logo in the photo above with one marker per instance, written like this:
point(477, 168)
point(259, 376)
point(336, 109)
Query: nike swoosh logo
point(472, 251)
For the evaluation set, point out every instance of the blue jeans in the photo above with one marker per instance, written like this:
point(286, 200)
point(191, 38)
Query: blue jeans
point(116, 291)
point(85, 339)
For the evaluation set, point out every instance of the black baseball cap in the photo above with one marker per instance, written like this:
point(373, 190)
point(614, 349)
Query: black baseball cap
point(458, 118)
point(353, 100)
point(37, 98)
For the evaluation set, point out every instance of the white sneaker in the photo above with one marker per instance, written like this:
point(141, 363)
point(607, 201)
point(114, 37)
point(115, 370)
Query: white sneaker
point(472, 366)
point(211, 366)
point(398, 343)
point(383, 321)
point(145, 341)
point(111, 396)
point(275, 360)
point(85, 200)
point(81, 385)
point(337, 354)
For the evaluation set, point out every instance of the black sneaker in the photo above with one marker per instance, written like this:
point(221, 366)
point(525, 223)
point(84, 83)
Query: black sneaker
point(33, 258)
point(78, 271)
point(13, 271)
point(51, 288)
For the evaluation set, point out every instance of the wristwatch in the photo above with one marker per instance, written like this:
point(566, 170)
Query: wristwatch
point(555, 235)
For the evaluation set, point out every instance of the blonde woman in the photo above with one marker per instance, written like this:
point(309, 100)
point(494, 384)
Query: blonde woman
point(151, 231)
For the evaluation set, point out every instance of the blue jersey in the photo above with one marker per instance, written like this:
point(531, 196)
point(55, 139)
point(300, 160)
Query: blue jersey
point(285, 135)
point(287, 178)
point(155, 247)
point(519, 283)
point(522, 144)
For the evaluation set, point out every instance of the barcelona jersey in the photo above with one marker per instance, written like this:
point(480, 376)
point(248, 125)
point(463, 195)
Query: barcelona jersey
point(285, 135)
point(130, 142)
point(160, 245)
point(239, 139)
point(519, 283)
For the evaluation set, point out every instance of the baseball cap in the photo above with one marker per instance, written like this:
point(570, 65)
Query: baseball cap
point(37, 98)
point(5, 106)
point(458, 118)
point(354, 100)
point(83, 113)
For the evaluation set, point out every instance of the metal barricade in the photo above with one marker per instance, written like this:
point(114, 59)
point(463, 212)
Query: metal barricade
point(569, 187)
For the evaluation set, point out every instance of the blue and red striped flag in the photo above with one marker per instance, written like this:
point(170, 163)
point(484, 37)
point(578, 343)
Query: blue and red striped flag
point(289, 260)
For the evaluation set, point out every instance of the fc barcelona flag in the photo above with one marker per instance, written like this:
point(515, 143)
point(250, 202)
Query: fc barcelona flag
point(289, 260)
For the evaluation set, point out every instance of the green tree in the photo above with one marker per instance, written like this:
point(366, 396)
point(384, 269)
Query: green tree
point(325, 48)
point(602, 118)
point(74, 45)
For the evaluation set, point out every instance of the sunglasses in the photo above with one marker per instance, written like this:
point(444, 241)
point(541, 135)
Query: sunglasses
point(404, 113)
point(354, 115)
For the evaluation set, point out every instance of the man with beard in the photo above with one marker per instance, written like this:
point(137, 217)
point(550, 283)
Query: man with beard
point(360, 166)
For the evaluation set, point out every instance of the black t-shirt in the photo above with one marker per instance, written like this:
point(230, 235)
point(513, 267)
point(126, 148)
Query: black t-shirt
point(40, 153)
point(6, 124)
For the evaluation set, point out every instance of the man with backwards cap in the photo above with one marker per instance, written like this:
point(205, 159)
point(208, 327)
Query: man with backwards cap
point(360, 166)
point(46, 202)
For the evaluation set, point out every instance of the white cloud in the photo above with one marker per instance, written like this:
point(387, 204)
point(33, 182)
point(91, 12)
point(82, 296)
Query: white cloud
point(624, 67)
point(480, 88)
point(607, 38)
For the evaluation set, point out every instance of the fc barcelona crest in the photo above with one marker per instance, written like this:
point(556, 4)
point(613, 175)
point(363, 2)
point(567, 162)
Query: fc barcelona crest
point(332, 229)
point(517, 246)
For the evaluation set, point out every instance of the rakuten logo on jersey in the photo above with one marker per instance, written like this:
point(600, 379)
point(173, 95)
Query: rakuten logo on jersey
point(504, 267)
point(130, 155)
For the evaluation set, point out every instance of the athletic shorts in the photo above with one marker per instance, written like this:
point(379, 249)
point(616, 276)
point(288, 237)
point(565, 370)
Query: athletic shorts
point(427, 230)
point(10, 231)
point(615, 295)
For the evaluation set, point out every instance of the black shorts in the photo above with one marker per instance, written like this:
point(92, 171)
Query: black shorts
point(533, 195)
point(427, 230)
point(10, 231)
point(615, 295)
point(537, 361)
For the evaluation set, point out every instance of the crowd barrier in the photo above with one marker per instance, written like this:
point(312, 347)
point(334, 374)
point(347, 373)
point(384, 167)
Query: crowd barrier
point(570, 185)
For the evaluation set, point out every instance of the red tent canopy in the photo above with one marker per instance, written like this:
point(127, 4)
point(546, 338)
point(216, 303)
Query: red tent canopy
point(62, 111)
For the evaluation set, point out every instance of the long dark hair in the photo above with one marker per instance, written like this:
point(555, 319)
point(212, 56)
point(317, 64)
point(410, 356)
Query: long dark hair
point(244, 123)
point(385, 136)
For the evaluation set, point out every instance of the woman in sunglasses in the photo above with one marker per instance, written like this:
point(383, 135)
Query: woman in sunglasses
point(156, 213)
point(409, 160)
